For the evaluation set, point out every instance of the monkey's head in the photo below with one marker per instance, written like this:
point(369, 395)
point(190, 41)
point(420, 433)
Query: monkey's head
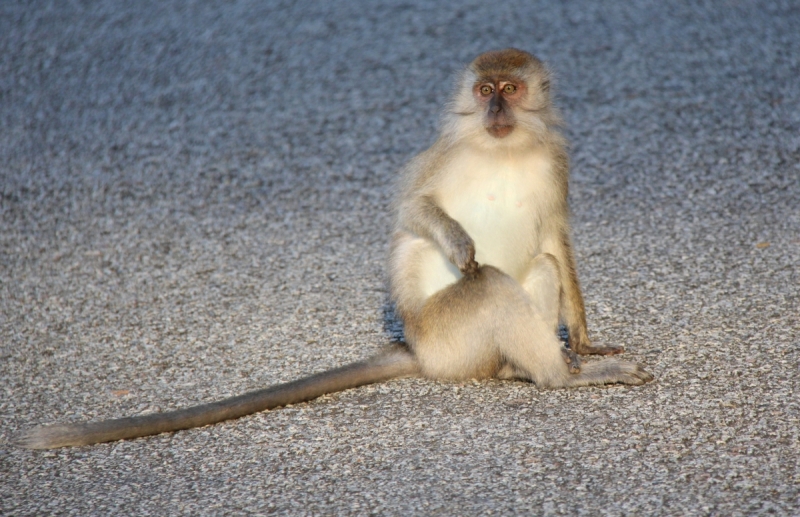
point(503, 98)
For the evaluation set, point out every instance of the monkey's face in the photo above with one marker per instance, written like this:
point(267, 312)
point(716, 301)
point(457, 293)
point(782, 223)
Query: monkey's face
point(498, 97)
point(502, 100)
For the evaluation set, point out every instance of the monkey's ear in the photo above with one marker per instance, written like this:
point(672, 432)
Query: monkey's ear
point(546, 85)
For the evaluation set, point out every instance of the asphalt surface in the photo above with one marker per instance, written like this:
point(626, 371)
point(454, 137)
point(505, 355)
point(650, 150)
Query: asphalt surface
point(195, 202)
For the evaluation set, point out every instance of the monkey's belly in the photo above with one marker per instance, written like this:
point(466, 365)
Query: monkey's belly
point(506, 243)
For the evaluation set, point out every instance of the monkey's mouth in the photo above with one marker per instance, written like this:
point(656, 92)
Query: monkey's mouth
point(500, 131)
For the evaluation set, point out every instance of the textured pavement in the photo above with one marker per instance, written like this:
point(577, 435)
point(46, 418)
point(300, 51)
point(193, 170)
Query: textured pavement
point(194, 202)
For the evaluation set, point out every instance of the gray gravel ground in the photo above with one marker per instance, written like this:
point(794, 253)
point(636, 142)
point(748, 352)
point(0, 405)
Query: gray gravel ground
point(194, 204)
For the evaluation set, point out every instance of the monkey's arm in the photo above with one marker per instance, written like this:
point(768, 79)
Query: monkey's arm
point(391, 364)
point(422, 216)
point(572, 312)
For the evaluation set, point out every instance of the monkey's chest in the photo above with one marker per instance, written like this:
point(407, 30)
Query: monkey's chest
point(501, 207)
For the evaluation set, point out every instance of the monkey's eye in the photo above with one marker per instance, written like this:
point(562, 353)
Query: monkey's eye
point(486, 89)
point(509, 89)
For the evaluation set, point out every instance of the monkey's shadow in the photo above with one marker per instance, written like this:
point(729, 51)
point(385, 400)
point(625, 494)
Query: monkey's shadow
point(392, 324)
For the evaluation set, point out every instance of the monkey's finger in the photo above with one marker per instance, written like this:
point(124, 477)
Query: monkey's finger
point(470, 268)
point(572, 360)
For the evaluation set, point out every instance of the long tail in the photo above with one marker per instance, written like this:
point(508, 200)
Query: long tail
point(391, 364)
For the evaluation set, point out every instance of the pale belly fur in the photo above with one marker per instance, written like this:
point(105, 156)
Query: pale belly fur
point(499, 202)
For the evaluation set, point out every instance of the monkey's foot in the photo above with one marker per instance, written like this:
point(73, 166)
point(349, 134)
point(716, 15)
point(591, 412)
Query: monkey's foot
point(572, 360)
point(587, 349)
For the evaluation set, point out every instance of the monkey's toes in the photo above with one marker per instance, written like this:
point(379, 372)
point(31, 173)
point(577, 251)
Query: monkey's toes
point(599, 350)
point(645, 375)
point(638, 376)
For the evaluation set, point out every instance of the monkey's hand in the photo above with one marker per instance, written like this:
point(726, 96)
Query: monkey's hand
point(461, 252)
point(572, 360)
point(424, 217)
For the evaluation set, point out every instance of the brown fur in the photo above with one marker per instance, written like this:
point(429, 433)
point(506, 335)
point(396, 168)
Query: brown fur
point(506, 63)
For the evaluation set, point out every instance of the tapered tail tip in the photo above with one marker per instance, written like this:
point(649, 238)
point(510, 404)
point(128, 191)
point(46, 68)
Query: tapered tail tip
point(46, 437)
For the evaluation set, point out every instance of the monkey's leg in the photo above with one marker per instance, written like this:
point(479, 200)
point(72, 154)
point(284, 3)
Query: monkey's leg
point(451, 335)
point(534, 350)
point(543, 285)
point(531, 344)
point(487, 325)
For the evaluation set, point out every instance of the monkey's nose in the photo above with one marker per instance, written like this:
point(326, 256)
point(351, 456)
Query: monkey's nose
point(495, 108)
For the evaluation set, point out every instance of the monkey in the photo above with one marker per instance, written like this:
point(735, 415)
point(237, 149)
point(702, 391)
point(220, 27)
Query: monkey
point(481, 267)
point(493, 190)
